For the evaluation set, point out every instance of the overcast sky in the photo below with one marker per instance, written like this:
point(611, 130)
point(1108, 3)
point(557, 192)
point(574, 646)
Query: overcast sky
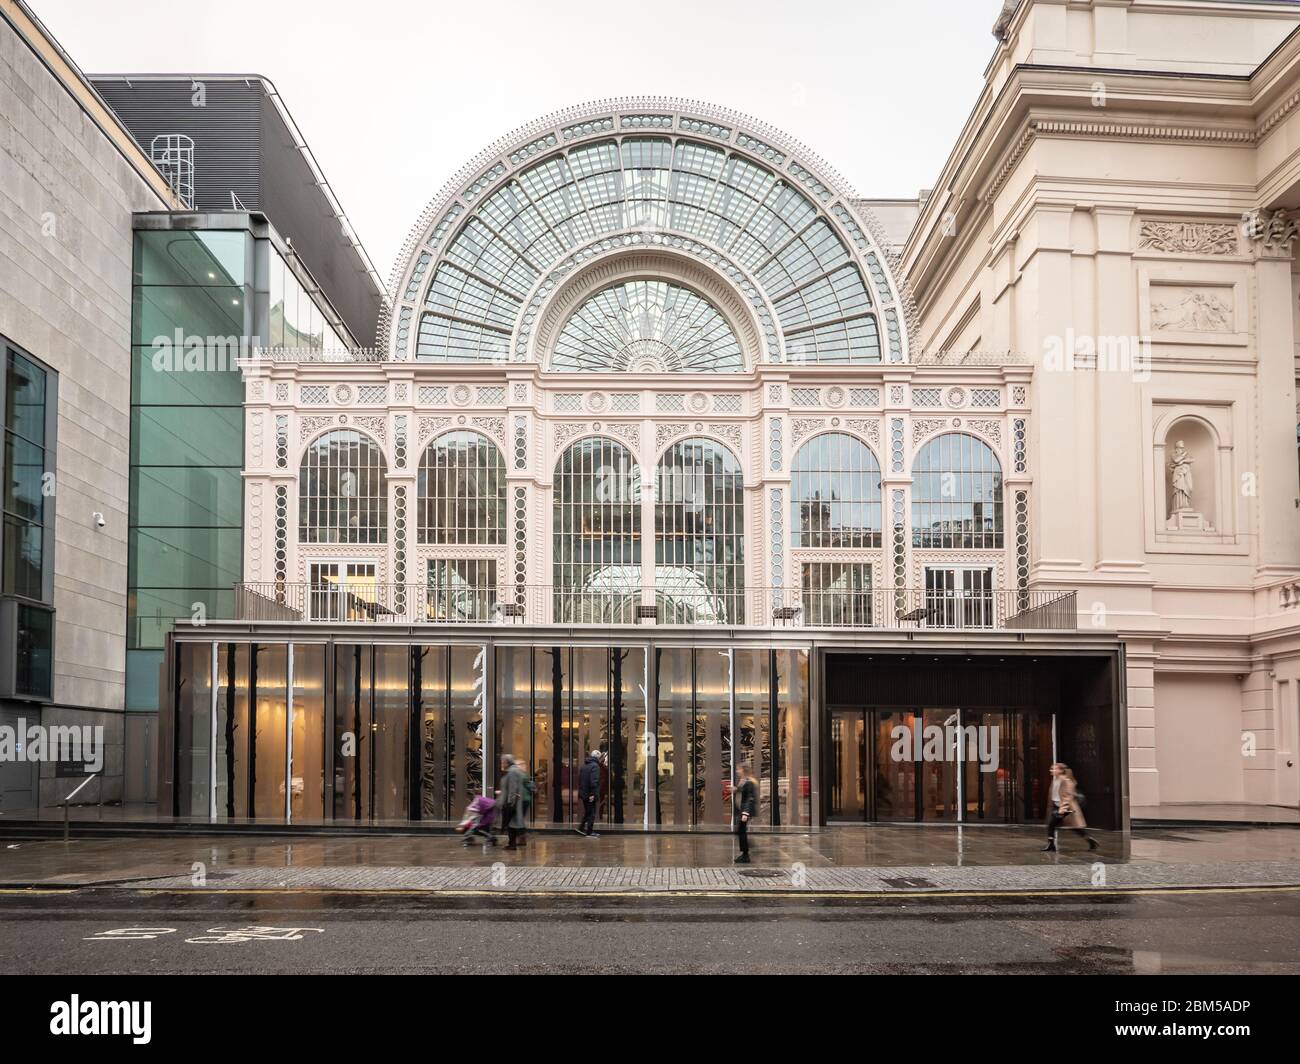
point(394, 96)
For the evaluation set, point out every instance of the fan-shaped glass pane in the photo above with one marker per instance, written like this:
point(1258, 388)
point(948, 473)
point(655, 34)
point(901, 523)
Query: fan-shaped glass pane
point(648, 327)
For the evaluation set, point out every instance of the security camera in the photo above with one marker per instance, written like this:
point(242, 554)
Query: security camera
point(99, 519)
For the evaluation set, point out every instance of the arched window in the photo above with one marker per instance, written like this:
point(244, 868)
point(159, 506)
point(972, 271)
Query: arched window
point(835, 505)
point(342, 493)
point(647, 327)
point(835, 494)
point(957, 494)
point(699, 535)
point(597, 533)
point(830, 303)
point(461, 491)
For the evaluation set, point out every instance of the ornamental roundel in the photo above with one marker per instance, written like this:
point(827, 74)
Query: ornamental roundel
point(801, 266)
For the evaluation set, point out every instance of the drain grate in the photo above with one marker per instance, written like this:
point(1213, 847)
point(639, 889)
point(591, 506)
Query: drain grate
point(905, 883)
point(760, 873)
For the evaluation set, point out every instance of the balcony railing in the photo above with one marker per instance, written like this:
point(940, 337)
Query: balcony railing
point(910, 609)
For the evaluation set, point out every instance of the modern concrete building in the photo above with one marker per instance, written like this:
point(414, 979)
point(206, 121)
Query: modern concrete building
point(71, 180)
point(125, 267)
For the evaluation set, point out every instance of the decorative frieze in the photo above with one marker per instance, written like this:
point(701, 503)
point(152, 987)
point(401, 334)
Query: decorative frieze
point(923, 427)
point(664, 433)
point(627, 431)
point(990, 427)
point(376, 425)
point(431, 425)
point(869, 428)
point(309, 426)
point(730, 433)
point(1189, 238)
point(493, 426)
point(803, 426)
point(566, 431)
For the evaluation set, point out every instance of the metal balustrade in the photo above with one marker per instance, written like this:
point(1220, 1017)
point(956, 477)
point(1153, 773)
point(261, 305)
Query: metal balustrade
point(536, 604)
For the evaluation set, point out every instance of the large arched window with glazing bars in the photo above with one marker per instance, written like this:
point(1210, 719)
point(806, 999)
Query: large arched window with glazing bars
point(460, 504)
point(596, 540)
point(699, 535)
point(342, 490)
point(957, 495)
point(835, 522)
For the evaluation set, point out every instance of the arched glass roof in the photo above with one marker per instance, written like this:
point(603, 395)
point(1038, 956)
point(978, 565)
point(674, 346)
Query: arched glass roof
point(648, 327)
point(790, 243)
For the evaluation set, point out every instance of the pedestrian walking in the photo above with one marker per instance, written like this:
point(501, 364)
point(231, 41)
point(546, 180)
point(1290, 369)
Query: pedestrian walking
point(589, 793)
point(1065, 808)
point(515, 798)
point(746, 802)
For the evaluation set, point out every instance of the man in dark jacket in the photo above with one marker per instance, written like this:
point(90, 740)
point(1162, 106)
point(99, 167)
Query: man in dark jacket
point(746, 799)
point(589, 792)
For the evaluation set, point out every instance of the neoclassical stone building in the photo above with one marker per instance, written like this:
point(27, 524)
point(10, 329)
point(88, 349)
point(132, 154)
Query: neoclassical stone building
point(655, 377)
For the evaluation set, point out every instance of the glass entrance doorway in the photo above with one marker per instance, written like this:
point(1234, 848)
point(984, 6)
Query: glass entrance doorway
point(938, 765)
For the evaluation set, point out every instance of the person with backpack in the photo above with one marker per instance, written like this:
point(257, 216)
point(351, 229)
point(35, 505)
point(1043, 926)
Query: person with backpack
point(1065, 807)
point(589, 793)
point(516, 797)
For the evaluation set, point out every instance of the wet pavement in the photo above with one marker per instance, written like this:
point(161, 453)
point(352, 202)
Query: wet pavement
point(123, 931)
point(850, 859)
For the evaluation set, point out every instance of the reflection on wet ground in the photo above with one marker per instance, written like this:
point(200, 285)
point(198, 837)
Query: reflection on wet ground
point(1189, 932)
point(87, 860)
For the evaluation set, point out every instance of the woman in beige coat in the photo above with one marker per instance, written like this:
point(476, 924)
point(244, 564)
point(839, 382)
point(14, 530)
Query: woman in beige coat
point(1064, 808)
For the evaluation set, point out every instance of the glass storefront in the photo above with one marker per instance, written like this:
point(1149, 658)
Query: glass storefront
point(393, 732)
point(372, 732)
point(939, 765)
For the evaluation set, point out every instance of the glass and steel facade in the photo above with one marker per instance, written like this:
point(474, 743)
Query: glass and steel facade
point(367, 732)
point(208, 290)
point(191, 317)
point(29, 399)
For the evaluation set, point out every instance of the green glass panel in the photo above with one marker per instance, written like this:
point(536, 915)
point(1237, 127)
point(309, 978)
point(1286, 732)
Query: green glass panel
point(187, 436)
point(191, 258)
point(23, 556)
point(197, 496)
point(214, 314)
point(200, 377)
point(151, 613)
point(25, 398)
point(34, 652)
point(185, 557)
point(24, 466)
point(142, 676)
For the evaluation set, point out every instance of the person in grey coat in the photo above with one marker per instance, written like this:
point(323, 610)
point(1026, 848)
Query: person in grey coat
point(515, 795)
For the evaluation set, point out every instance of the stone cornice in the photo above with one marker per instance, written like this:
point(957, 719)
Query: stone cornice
point(1090, 130)
point(1033, 101)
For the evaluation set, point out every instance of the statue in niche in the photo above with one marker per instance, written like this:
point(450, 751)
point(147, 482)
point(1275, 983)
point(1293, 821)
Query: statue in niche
point(1182, 518)
point(1180, 475)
